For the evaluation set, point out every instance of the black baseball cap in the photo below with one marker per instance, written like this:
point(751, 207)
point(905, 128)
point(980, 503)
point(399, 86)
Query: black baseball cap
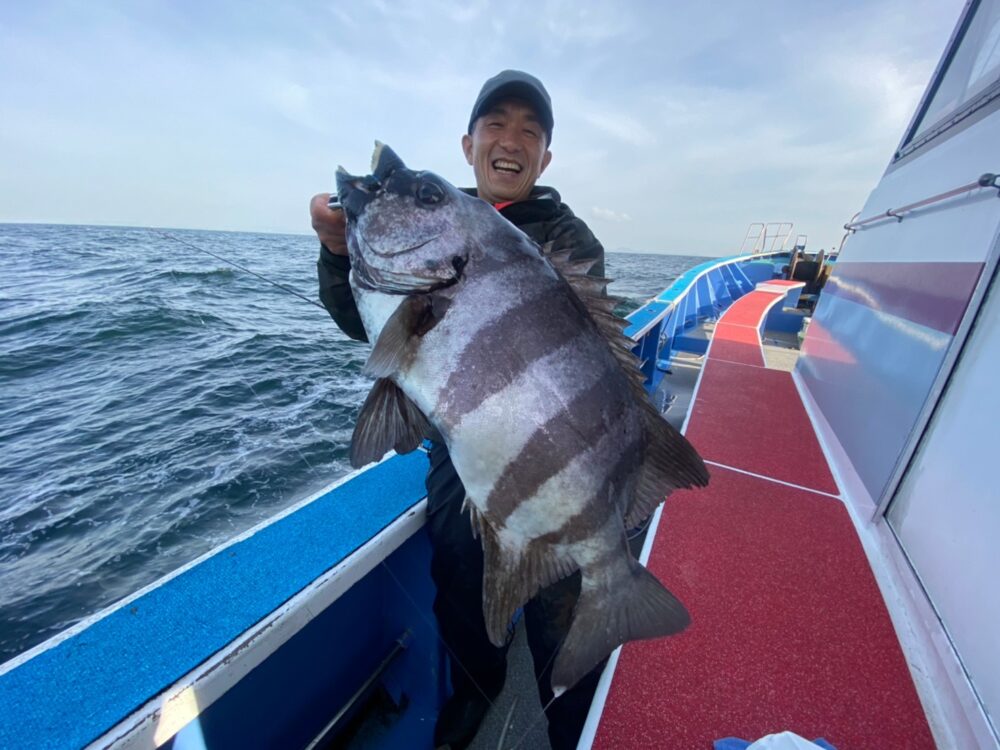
point(521, 85)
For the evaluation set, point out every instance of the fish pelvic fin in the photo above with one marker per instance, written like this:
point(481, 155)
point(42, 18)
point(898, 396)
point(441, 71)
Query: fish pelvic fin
point(626, 605)
point(511, 577)
point(388, 420)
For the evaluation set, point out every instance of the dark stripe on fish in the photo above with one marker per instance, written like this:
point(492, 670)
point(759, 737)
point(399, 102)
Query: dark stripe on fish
point(620, 481)
point(505, 347)
point(593, 514)
point(600, 411)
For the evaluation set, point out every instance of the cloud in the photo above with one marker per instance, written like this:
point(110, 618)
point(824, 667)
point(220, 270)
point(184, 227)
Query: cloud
point(571, 22)
point(671, 112)
point(294, 102)
point(606, 214)
point(888, 91)
point(621, 126)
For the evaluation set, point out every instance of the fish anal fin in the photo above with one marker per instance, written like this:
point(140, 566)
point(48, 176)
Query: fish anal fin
point(627, 605)
point(388, 420)
point(511, 577)
point(501, 595)
point(414, 317)
point(671, 463)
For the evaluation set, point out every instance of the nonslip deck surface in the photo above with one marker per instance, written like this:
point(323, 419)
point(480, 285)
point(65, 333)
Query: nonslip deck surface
point(72, 692)
point(789, 630)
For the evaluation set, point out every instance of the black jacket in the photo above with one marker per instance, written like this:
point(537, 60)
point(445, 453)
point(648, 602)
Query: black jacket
point(543, 217)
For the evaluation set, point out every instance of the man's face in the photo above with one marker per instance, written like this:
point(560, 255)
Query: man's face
point(507, 151)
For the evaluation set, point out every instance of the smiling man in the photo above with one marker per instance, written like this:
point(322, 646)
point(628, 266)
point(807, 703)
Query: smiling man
point(507, 145)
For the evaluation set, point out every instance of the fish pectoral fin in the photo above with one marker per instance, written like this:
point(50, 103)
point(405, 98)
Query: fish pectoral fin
point(627, 606)
point(671, 463)
point(511, 577)
point(414, 317)
point(388, 420)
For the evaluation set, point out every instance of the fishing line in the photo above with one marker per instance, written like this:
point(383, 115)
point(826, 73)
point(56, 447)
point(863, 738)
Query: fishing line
point(538, 680)
point(507, 723)
point(312, 468)
point(229, 359)
point(427, 621)
point(315, 471)
point(191, 245)
point(305, 460)
point(532, 725)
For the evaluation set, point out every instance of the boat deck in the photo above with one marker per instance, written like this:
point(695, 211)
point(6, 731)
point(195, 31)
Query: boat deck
point(789, 630)
point(140, 664)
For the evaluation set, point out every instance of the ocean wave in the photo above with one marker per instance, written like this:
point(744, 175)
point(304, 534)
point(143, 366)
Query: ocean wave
point(150, 414)
point(207, 274)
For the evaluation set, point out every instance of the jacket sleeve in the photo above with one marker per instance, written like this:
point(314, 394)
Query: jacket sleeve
point(335, 293)
point(572, 232)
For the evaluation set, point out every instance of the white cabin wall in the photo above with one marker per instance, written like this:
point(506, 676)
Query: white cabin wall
point(901, 387)
point(897, 297)
point(946, 513)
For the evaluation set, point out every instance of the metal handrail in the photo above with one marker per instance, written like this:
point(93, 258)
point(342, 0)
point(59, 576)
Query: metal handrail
point(763, 241)
point(987, 180)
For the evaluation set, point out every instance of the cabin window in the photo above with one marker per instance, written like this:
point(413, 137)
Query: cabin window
point(970, 77)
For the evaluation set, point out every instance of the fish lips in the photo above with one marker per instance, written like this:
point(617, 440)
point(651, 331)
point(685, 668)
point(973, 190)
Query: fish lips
point(387, 281)
point(355, 192)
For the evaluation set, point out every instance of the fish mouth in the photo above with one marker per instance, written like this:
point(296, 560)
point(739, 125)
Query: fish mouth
point(355, 193)
point(409, 249)
point(375, 279)
point(506, 166)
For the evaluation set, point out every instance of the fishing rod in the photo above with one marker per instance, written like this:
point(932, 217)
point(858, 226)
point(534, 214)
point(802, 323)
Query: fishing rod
point(191, 245)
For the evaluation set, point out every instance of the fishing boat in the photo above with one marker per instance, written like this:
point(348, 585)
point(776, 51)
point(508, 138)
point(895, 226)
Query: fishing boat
point(840, 569)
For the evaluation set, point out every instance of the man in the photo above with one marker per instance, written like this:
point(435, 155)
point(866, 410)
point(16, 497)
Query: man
point(507, 145)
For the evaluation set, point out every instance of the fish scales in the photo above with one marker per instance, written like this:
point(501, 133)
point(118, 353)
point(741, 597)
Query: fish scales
point(458, 329)
point(506, 345)
point(495, 434)
point(514, 361)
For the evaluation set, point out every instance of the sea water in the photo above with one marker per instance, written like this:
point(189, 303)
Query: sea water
point(155, 402)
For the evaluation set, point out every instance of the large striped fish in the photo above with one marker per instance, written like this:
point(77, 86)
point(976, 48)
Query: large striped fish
point(513, 356)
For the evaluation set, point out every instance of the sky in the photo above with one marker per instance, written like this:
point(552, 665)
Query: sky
point(676, 124)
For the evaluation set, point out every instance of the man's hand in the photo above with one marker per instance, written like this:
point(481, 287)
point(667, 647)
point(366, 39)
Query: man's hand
point(329, 224)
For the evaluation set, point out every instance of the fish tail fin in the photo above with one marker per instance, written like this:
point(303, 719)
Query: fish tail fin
point(628, 605)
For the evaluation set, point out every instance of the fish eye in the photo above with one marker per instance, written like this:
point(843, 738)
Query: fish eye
point(430, 193)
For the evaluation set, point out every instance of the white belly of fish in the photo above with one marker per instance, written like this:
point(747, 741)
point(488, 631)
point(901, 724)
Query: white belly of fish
point(375, 309)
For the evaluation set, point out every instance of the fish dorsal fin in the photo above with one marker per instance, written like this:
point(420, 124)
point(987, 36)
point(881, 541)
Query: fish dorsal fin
point(592, 292)
point(671, 461)
point(388, 420)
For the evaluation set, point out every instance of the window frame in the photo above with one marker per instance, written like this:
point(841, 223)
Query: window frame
point(982, 104)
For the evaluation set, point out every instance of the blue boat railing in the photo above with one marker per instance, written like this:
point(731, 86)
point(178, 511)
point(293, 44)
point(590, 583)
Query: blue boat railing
point(660, 327)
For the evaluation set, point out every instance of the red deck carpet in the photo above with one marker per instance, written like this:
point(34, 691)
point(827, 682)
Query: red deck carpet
point(752, 419)
point(737, 344)
point(789, 630)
